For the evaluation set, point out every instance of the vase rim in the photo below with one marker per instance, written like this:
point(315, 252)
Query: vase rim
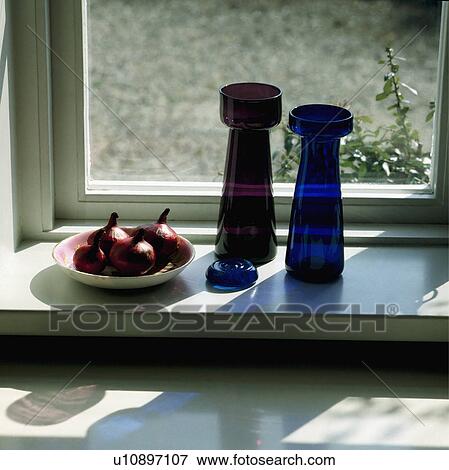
point(268, 85)
point(347, 114)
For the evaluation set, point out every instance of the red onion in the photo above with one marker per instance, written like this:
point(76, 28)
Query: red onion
point(112, 233)
point(133, 256)
point(159, 234)
point(90, 258)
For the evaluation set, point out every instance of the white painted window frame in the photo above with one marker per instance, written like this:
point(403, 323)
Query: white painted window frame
point(51, 111)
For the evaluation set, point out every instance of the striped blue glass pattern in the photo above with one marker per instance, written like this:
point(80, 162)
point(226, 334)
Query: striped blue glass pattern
point(315, 242)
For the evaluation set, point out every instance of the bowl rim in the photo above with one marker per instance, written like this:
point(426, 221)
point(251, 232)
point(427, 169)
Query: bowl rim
point(102, 276)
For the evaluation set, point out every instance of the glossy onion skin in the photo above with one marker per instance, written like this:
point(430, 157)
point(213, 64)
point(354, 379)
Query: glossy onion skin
point(90, 258)
point(161, 236)
point(112, 233)
point(133, 256)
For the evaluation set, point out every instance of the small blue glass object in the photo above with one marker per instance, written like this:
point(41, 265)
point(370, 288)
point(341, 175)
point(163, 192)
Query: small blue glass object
point(231, 273)
point(315, 240)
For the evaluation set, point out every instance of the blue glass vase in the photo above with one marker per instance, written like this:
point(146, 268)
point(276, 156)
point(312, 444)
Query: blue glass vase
point(315, 240)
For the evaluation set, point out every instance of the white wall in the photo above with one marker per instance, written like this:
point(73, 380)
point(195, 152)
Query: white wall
point(8, 236)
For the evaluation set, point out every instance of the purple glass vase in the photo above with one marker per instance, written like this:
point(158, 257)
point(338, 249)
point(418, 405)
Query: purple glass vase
point(246, 223)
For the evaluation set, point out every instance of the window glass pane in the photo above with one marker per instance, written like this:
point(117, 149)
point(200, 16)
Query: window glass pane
point(158, 64)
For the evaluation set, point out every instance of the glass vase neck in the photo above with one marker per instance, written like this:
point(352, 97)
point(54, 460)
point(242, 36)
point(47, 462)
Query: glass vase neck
point(246, 223)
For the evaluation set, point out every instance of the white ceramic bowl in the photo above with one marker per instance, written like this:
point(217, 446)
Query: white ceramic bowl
point(63, 255)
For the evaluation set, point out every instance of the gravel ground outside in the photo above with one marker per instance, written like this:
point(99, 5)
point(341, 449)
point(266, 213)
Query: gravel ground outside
point(159, 64)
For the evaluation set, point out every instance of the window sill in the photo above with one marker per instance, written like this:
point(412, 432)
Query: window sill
point(204, 232)
point(412, 280)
